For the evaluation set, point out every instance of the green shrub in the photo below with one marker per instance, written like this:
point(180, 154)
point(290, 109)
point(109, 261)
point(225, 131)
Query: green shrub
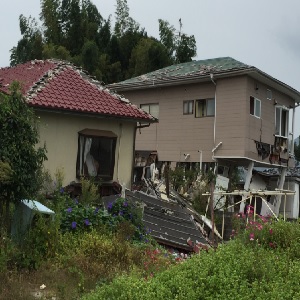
point(39, 244)
point(234, 271)
point(268, 233)
point(99, 256)
point(89, 192)
point(121, 215)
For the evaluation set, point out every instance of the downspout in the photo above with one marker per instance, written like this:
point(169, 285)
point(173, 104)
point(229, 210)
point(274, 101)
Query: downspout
point(215, 120)
point(293, 136)
point(212, 184)
point(119, 148)
point(293, 130)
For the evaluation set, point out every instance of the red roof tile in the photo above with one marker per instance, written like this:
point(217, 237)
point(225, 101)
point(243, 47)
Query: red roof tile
point(60, 85)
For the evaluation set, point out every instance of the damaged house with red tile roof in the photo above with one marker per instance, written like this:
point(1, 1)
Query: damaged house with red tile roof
point(216, 112)
point(88, 130)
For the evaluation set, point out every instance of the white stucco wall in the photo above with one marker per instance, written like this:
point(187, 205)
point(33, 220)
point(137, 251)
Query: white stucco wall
point(60, 133)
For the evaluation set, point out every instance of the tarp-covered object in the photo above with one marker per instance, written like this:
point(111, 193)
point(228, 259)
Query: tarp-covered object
point(25, 215)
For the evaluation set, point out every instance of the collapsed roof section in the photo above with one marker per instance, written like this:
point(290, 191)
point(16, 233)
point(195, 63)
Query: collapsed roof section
point(61, 86)
point(169, 223)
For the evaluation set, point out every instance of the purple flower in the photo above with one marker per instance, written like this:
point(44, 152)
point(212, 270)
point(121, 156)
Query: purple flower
point(87, 222)
point(74, 224)
point(61, 190)
point(69, 209)
point(109, 207)
point(96, 210)
point(76, 201)
point(120, 213)
point(125, 204)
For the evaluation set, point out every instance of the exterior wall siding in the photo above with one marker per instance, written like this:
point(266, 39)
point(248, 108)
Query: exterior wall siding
point(231, 118)
point(60, 134)
point(176, 133)
point(263, 129)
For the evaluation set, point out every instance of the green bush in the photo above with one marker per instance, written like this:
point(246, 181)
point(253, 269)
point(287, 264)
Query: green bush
point(234, 271)
point(121, 215)
point(268, 233)
point(99, 256)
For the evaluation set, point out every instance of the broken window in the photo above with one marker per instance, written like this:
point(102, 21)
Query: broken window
point(96, 154)
point(205, 108)
point(188, 107)
point(255, 107)
point(281, 121)
point(152, 108)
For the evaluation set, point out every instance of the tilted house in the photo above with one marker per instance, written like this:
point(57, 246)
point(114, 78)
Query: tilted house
point(215, 110)
point(88, 130)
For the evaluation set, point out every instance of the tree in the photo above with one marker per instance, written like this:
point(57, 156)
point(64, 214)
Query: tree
point(148, 55)
point(186, 48)
point(91, 20)
point(74, 39)
point(30, 45)
point(52, 51)
point(50, 16)
point(20, 159)
point(104, 36)
point(167, 37)
point(74, 30)
point(180, 47)
point(90, 56)
point(124, 22)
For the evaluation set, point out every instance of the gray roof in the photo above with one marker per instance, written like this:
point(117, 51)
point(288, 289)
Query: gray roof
point(169, 223)
point(201, 70)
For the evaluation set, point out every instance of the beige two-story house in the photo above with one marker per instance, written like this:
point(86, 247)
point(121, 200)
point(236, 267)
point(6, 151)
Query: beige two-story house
point(215, 110)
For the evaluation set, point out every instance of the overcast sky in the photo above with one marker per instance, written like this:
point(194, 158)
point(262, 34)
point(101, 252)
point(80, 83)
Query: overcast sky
point(262, 33)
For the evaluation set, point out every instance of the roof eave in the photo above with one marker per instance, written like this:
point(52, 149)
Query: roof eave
point(91, 114)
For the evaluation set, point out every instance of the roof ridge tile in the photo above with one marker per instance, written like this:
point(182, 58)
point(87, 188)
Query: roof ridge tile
point(61, 85)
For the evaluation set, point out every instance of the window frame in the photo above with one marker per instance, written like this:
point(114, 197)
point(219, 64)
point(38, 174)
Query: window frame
point(253, 112)
point(279, 127)
point(81, 161)
point(144, 105)
point(186, 103)
point(205, 114)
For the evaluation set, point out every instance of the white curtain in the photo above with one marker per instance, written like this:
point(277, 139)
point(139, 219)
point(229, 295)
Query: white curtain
point(85, 147)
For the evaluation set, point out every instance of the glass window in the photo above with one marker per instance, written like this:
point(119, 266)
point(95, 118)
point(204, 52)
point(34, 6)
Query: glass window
point(281, 121)
point(188, 107)
point(205, 107)
point(255, 107)
point(210, 107)
point(152, 108)
point(96, 155)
